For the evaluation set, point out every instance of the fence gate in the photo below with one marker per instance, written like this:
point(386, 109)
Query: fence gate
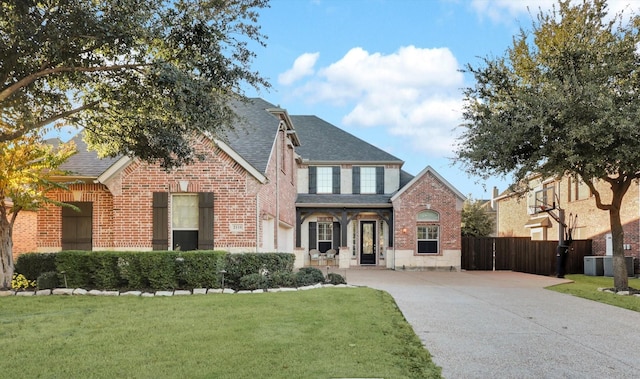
point(521, 254)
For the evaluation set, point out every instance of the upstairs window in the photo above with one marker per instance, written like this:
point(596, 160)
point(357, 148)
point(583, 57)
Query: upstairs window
point(368, 179)
point(324, 179)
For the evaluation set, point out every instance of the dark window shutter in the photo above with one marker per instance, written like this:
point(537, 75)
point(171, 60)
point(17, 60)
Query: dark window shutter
point(313, 188)
point(313, 238)
point(356, 180)
point(205, 221)
point(160, 239)
point(379, 180)
point(336, 236)
point(336, 179)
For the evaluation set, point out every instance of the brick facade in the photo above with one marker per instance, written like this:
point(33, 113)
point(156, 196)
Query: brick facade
point(122, 216)
point(429, 193)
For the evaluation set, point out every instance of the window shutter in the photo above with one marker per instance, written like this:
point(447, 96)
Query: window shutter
point(336, 236)
point(312, 180)
point(160, 239)
point(356, 180)
point(336, 179)
point(205, 221)
point(313, 239)
point(380, 180)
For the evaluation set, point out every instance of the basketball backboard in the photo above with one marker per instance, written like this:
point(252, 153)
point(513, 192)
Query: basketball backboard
point(544, 200)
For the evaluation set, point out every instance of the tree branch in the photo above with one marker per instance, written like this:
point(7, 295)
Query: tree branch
point(5, 93)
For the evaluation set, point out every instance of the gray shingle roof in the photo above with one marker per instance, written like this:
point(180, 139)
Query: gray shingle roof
point(322, 141)
point(253, 136)
point(86, 163)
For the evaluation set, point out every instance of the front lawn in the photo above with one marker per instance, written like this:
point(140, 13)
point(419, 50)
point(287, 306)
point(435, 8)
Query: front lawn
point(587, 287)
point(323, 333)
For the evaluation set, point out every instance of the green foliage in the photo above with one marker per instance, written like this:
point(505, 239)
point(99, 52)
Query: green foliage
point(561, 101)
point(335, 278)
point(281, 279)
point(75, 266)
point(476, 221)
point(32, 265)
point(239, 265)
point(307, 276)
point(254, 282)
point(200, 269)
point(140, 76)
point(47, 280)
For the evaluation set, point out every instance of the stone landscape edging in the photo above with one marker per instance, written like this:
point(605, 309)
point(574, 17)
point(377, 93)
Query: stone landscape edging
point(195, 291)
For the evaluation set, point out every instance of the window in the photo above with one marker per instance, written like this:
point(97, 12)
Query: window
point(184, 221)
point(325, 236)
point(578, 190)
point(324, 179)
point(367, 180)
point(428, 232)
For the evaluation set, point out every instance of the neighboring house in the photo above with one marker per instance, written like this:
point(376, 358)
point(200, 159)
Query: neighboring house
point(518, 217)
point(276, 183)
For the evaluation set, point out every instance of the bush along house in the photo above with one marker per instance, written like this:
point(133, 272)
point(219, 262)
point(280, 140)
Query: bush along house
point(276, 182)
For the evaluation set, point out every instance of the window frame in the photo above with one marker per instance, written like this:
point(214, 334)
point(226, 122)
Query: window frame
point(428, 232)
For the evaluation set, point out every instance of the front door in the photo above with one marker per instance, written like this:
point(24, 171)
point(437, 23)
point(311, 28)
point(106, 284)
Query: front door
point(368, 243)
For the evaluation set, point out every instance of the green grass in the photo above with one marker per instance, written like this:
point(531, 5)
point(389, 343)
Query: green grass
point(325, 333)
point(587, 287)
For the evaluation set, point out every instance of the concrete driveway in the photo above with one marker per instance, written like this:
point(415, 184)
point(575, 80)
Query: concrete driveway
point(481, 324)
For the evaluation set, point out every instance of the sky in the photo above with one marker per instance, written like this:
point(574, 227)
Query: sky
point(389, 71)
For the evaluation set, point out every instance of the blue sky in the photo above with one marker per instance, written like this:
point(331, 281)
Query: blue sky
point(387, 71)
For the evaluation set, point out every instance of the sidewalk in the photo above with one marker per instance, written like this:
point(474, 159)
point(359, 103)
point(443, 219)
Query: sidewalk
point(480, 324)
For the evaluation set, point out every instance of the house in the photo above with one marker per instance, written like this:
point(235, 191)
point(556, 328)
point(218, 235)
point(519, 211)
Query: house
point(522, 217)
point(274, 183)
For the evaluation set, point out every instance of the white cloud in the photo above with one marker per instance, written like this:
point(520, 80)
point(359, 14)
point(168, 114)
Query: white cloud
point(506, 11)
point(414, 93)
point(302, 66)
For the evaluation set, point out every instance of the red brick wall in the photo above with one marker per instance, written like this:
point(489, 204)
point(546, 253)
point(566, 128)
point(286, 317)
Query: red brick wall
point(427, 193)
point(123, 207)
point(24, 233)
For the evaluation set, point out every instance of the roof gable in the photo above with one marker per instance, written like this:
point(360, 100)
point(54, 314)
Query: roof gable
point(433, 172)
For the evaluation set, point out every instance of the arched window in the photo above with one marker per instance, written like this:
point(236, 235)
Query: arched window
point(428, 233)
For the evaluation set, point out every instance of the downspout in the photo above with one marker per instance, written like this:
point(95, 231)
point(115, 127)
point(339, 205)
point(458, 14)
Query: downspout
point(258, 222)
point(281, 128)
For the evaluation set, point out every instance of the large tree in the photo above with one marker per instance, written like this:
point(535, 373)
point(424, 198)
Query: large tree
point(139, 76)
point(563, 100)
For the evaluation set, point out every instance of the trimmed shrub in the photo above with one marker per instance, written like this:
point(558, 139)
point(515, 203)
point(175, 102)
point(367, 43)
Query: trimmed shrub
point(48, 280)
point(254, 282)
point(199, 269)
point(32, 265)
point(335, 278)
point(239, 265)
point(307, 276)
point(282, 279)
point(75, 265)
point(103, 267)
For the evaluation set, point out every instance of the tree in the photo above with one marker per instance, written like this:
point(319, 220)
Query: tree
point(141, 77)
point(476, 221)
point(26, 166)
point(563, 100)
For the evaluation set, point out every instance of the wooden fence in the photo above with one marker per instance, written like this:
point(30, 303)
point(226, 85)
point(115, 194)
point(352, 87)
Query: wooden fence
point(521, 254)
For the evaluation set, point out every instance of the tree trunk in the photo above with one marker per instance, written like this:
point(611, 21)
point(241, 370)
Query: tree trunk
point(620, 275)
point(6, 252)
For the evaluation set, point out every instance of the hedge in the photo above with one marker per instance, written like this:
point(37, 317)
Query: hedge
point(240, 265)
point(32, 265)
